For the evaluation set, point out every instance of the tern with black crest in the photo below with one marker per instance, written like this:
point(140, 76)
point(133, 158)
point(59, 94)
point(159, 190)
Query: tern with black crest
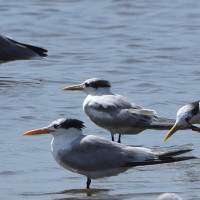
point(186, 117)
point(96, 157)
point(116, 113)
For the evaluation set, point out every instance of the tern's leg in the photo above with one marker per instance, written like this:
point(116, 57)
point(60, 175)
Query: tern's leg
point(194, 128)
point(88, 183)
point(119, 138)
point(112, 136)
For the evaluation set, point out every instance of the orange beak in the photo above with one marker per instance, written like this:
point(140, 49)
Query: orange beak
point(73, 87)
point(171, 132)
point(38, 131)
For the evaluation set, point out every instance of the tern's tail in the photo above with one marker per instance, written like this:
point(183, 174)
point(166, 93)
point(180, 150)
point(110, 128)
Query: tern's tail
point(38, 50)
point(167, 157)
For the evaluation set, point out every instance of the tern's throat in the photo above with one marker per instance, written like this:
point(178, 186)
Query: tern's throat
point(64, 141)
point(98, 91)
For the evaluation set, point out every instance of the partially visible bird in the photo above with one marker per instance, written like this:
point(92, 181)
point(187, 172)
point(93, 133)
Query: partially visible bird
point(96, 157)
point(186, 116)
point(12, 50)
point(169, 196)
point(116, 113)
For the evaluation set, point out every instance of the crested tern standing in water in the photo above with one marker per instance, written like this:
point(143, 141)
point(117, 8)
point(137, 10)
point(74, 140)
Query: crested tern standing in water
point(186, 116)
point(116, 113)
point(96, 157)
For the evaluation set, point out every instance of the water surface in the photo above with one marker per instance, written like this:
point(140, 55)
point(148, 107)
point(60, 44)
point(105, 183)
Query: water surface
point(148, 50)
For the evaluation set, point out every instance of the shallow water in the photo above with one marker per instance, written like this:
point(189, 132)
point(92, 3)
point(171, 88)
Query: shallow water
point(148, 50)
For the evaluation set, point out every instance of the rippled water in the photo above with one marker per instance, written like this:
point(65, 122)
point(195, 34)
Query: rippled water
point(149, 50)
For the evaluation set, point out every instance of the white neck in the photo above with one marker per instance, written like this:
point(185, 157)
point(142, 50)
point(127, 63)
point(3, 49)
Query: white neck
point(62, 141)
point(98, 91)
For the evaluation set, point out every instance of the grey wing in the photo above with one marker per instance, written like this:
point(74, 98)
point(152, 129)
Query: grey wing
point(94, 153)
point(116, 110)
point(113, 102)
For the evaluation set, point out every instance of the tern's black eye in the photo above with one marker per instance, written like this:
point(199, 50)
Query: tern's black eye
point(56, 126)
point(87, 84)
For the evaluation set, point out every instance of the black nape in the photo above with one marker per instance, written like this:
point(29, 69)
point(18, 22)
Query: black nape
point(98, 83)
point(72, 123)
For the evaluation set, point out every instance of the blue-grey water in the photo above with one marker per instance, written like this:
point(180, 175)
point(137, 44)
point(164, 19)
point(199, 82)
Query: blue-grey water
point(148, 50)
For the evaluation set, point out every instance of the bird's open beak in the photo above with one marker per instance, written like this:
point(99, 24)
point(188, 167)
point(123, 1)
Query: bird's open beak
point(73, 87)
point(171, 132)
point(38, 131)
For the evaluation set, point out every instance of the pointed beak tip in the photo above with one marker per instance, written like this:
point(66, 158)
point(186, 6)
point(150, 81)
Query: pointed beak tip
point(73, 87)
point(24, 134)
point(171, 132)
point(37, 131)
point(66, 88)
point(166, 138)
point(164, 141)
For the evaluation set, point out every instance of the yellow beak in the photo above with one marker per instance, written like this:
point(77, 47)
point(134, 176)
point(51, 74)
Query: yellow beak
point(171, 132)
point(73, 87)
point(38, 131)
